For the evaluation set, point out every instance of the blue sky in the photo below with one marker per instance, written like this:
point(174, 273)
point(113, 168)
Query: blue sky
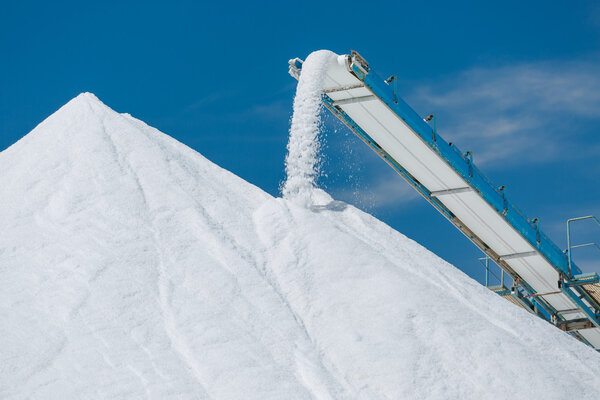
point(518, 83)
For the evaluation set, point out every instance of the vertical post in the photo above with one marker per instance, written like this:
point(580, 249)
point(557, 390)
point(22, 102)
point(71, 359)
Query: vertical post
point(431, 117)
point(501, 189)
point(501, 277)
point(394, 81)
point(569, 261)
point(487, 271)
point(469, 157)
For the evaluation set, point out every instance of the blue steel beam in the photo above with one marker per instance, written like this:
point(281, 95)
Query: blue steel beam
point(591, 314)
point(545, 308)
point(583, 279)
point(464, 166)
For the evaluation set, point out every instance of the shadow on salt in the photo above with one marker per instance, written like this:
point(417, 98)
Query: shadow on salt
point(334, 205)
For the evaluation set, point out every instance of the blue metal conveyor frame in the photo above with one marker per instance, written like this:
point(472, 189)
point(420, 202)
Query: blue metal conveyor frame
point(570, 281)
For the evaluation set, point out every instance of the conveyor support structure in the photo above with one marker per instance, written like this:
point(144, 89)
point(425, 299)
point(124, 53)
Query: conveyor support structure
point(545, 280)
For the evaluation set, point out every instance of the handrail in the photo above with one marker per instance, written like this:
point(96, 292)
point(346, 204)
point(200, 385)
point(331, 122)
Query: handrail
point(587, 244)
point(488, 271)
point(569, 247)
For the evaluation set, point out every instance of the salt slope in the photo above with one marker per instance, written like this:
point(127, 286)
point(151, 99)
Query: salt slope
point(132, 267)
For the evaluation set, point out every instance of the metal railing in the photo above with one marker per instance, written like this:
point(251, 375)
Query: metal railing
point(485, 261)
point(569, 247)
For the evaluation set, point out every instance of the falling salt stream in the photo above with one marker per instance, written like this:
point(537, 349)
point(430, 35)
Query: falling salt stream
point(301, 163)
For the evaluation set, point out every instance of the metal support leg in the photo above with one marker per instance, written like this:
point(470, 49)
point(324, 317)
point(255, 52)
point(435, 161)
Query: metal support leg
point(487, 272)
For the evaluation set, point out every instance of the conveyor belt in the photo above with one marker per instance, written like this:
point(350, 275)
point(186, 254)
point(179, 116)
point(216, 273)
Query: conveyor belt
point(450, 181)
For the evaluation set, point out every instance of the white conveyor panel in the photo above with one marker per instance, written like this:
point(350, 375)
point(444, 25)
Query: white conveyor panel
point(407, 148)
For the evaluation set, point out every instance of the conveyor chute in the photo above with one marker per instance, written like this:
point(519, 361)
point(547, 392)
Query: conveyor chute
point(543, 275)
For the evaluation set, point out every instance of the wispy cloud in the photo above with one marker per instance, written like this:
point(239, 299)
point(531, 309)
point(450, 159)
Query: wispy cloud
point(272, 106)
point(594, 15)
point(210, 99)
point(390, 190)
point(278, 110)
point(523, 113)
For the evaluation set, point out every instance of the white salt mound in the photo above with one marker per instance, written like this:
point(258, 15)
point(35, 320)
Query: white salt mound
point(132, 267)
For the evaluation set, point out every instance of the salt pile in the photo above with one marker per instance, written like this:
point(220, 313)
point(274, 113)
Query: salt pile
point(132, 267)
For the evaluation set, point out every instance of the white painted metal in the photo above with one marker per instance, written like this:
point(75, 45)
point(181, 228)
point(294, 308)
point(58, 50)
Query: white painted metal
point(407, 148)
point(450, 191)
point(518, 255)
point(351, 100)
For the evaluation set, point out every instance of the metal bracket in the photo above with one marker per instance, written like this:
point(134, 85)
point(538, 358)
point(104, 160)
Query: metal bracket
point(519, 255)
point(394, 81)
point(343, 88)
point(354, 100)
point(359, 62)
point(575, 325)
point(437, 193)
point(431, 117)
point(569, 311)
point(542, 294)
point(469, 157)
point(583, 279)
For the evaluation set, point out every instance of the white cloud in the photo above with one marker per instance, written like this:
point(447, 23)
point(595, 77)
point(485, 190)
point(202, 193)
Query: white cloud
point(522, 113)
point(209, 99)
point(390, 190)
